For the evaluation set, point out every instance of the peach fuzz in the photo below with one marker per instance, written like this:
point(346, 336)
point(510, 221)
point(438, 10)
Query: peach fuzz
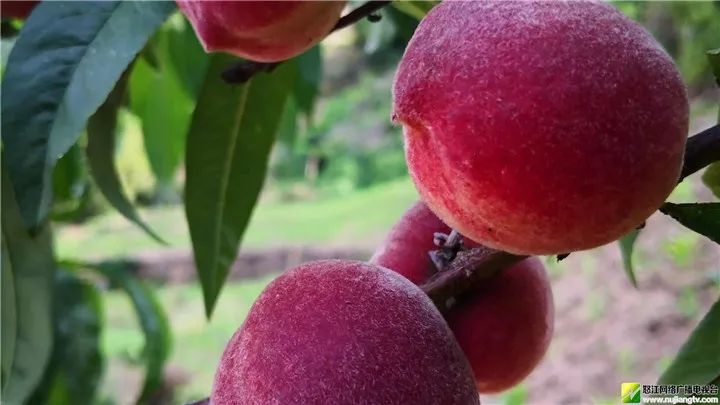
point(540, 127)
point(503, 325)
point(262, 31)
point(343, 332)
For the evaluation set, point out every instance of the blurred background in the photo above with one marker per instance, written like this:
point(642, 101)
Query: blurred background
point(338, 182)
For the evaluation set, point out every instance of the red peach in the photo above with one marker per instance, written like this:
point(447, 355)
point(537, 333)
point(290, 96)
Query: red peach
point(17, 9)
point(263, 31)
point(504, 325)
point(540, 127)
point(343, 332)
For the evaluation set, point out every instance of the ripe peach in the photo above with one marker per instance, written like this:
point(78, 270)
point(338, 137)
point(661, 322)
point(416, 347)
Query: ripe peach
point(540, 127)
point(343, 332)
point(17, 9)
point(263, 31)
point(503, 325)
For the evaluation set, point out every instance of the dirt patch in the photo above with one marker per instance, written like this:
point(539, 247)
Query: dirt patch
point(177, 265)
point(607, 332)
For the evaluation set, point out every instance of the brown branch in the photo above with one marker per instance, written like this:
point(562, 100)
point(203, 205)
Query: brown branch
point(471, 267)
point(242, 71)
point(359, 13)
point(468, 269)
point(701, 150)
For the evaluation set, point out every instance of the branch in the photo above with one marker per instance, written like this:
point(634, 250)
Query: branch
point(359, 13)
point(471, 267)
point(242, 71)
point(701, 150)
point(468, 269)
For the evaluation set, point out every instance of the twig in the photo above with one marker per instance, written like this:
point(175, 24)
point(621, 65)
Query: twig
point(468, 269)
point(242, 71)
point(359, 13)
point(701, 150)
point(476, 265)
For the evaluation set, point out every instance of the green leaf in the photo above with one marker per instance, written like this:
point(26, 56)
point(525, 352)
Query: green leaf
point(101, 156)
point(165, 124)
point(703, 218)
point(287, 130)
point(77, 363)
point(187, 58)
point(69, 176)
point(627, 244)
point(153, 321)
point(307, 83)
point(698, 361)
point(415, 9)
point(62, 67)
point(714, 58)
point(711, 178)
point(228, 147)
point(27, 273)
point(9, 316)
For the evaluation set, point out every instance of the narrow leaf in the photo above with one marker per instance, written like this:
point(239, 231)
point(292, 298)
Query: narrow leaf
point(228, 147)
point(287, 130)
point(28, 267)
point(711, 178)
point(698, 361)
point(415, 9)
point(57, 77)
point(101, 156)
point(153, 321)
point(69, 176)
point(714, 58)
point(164, 124)
point(9, 316)
point(627, 244)
point(77, 363)
point(307, 83)
point(703, 218)
point(187, 58)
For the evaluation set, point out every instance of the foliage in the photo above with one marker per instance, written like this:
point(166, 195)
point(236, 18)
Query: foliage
point(153, 322)
point(698, 361)
point(76, 365)
point(27, 273)
point(46, 101)
point(229, 145)
point(101, 129)
point(627, 244)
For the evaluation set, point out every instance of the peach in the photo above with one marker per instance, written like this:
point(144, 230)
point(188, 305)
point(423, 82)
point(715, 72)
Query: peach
point(540, 127)
point(17, 9)
point(343, 332)
point(262, 31)
point(504, 325)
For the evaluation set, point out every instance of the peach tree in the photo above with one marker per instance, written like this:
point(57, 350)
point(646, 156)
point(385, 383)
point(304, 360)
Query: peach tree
point(531, 128)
